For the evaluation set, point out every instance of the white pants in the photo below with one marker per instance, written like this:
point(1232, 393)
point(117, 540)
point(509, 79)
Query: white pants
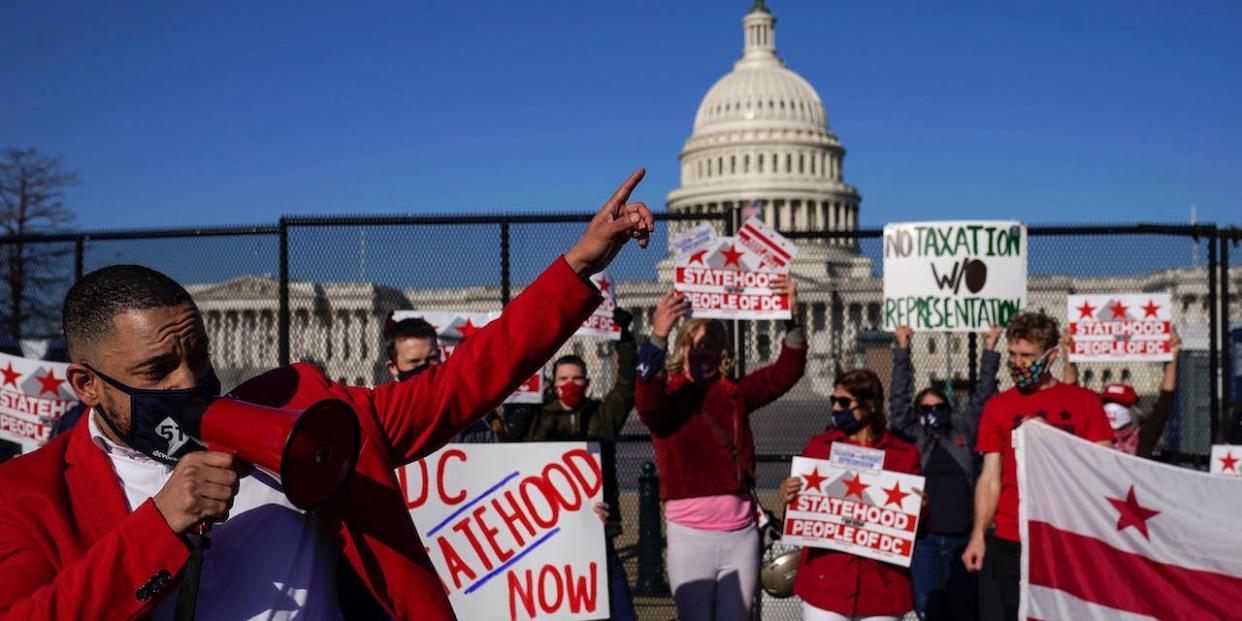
point(713, 574)
point(811, 613)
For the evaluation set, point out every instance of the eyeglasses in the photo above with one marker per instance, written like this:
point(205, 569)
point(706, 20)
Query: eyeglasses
point(841, 403)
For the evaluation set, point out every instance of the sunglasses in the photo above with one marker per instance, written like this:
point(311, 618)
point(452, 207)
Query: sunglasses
point(841, 403)
point(931, 409)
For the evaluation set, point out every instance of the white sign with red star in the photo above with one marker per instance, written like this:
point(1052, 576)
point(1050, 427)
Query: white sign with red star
point(1120, 326)
point(1226, 460)
point(33, 396)
point(600, 324)
point(731, 277)
point(453, 327)
point(871, 514)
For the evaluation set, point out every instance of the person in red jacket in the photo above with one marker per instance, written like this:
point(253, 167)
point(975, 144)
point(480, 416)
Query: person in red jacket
point(838, 586)
point(699, 419)
point(97, 524)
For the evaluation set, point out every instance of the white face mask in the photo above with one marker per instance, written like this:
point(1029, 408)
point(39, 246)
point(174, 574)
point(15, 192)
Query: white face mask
point(1118, 415)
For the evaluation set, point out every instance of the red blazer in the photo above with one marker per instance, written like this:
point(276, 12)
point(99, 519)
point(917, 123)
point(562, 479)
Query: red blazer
point(70, 549)
point(852, 585)
point(692, 458)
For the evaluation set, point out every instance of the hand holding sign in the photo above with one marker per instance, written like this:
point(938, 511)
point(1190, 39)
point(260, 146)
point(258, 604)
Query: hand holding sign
point(615, 224)
point(784, 285)
point(668, 310)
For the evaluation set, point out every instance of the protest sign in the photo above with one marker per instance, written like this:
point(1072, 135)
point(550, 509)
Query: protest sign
point(731, 277)
point(33, 396)
point(454, 327)
point(1120, 326)
point(1226, 460)
point(953, 276)
point(870, 513)
point(600, 324)
point(511, 528)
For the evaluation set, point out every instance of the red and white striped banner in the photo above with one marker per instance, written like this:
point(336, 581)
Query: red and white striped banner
point(1110, 536)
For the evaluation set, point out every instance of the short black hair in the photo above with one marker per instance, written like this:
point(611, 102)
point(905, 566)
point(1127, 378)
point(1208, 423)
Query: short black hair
point(569, 359)
point(412, 328)
point(94, 301)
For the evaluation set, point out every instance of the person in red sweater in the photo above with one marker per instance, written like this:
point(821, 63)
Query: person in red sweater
point(838, 586)
point(1036, 395)
point(699, 419)
point(98, 523)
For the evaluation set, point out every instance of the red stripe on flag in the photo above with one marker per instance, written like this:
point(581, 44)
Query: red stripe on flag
point(1099, 573)
point(753, 232)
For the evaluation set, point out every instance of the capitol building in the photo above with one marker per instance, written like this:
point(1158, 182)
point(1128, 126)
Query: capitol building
point(761, 139)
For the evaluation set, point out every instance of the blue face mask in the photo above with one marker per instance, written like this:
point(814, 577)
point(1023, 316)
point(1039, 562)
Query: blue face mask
point(935, 417)
point(159, 419)
point(845, 421)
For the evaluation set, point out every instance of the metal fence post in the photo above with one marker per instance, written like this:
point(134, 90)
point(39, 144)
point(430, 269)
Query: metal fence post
point(282, 315)
point(1228, 358)
point(79, 250)
point(504, 263)
point(650, 580)
point(972, 353)
point(1213, 334)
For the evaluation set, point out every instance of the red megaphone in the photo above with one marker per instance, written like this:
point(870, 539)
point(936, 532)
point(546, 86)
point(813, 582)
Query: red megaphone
point(312, 451)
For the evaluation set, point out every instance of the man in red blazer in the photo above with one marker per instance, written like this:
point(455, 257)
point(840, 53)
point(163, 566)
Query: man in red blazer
point(95, 525)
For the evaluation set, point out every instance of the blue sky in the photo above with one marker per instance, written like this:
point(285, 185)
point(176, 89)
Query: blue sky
point(214, 113)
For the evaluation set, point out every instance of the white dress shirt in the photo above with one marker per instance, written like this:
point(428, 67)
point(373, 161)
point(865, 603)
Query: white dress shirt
point(268, 561)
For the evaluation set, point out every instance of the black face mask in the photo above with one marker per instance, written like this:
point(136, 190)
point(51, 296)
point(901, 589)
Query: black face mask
point(407, 374)
point(159, 419)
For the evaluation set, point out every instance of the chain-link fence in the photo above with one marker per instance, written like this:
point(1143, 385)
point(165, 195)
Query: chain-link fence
point(320, 289)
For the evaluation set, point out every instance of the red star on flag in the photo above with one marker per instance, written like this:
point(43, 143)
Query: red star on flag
point(814, 480)
point(1119, 310)
point(732, 256)
point(10, 376)
point(466, 329)
point(855, 487)
point(895, 495)
point(1228, 462)
point(1086, 310)
point(697, 257)
point(1150, 309)
point(49, 383)
point(1132, 514)
point(604, 285)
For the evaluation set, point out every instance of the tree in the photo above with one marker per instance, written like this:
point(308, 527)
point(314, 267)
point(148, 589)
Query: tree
point(32, 190)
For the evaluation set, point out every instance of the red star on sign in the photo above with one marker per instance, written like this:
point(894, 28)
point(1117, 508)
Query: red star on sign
point(1086, 310)
point(814, 480)
point(732, 256)
point(49, 383)
point(1228, 462)
point(466, 329)
point(855, 487)
point(697, 257)
point(1119, 310)
point(1150, 309)
point(895, 495)
point(1132, 514)
point(10, 376)
point(604, 285)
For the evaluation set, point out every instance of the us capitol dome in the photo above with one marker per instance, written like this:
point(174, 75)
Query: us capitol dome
point(761, 139)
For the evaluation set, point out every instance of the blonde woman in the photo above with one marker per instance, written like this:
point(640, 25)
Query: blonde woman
point(699, 417)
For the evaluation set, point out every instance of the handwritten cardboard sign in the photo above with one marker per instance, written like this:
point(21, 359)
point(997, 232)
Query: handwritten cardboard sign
point(731, 277)
point(874, 514)
point(511, 528)
point(953, 276)
point(1226, 460)
point(1120, 326)
point(453, 327)
point(33, 396)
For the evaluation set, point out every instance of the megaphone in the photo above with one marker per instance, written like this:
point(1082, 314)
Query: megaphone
point(312, 452)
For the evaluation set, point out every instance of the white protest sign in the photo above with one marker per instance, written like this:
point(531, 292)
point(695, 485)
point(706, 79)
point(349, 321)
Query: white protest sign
point(1226, 460)
point(600, 324)
point(1120, 326)
point(33, 396)
point(693, 240)
point(453, 327)
point(850, 457)
point(511, 528)
point(953, 276)
point(870, 514)
point(731, 277)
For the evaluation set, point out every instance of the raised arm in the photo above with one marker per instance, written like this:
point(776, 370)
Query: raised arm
point(649, 391)
point(420, 415)
point(1152, 426)
point(985, 385)
point(900, 402)
point(1069, 370)
point(617, 404)
point(769, 383)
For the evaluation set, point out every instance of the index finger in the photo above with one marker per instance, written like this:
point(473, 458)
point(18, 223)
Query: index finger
point(622, 195)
